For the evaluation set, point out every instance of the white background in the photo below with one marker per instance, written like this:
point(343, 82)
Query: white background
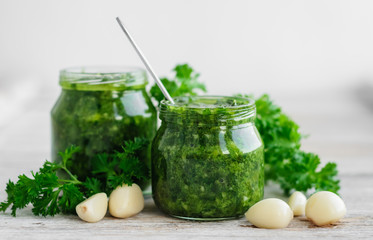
point(253, 46)
point(312, 57)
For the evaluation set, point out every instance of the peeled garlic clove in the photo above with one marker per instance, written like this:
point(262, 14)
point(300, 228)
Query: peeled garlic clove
point(297, 203)
point(270, 213)
point(93, 209)
point(324, 208)
point(126, 201)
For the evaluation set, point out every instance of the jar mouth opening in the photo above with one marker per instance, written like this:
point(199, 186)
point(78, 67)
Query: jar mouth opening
point(208, 110)
point(102, 77)
point(208, 102)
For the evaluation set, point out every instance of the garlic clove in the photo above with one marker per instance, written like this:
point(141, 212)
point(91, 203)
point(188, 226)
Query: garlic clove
point(270, 213)
point(325, 208)
point(297, 203)
point(93, 209)
point(126, 201)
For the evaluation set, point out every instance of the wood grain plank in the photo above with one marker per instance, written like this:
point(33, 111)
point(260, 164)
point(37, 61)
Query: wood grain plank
point(151, 223)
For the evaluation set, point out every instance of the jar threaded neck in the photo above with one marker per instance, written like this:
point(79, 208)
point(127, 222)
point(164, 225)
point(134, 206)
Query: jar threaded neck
point(208, 110)
point(102, 78)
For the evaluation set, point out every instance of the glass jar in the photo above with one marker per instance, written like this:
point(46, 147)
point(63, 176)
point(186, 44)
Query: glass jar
point(98, 109)
point(207, 158)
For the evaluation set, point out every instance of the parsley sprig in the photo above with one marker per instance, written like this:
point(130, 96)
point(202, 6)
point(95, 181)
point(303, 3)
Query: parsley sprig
point(184, 83)
point(54, 189)
point(122, 167)
point(285, 162)
point(43, 189)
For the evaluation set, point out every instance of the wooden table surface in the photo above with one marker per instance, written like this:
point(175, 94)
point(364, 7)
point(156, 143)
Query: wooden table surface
point(341, 131)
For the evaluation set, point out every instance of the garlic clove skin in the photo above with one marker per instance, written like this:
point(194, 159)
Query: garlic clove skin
point(270, 213)
point(297, 203)
point(325, 208)
point(93, 209)
point(126, 201)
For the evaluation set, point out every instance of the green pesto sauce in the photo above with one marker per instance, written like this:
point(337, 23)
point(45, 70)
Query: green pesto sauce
point(207, 158)
point(99, 122)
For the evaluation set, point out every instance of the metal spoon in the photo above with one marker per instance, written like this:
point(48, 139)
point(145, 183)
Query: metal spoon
point(146, 63)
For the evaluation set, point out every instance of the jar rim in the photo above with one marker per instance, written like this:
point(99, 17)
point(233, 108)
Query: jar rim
point(208, 110)
point(97, 78)
point(232, 102)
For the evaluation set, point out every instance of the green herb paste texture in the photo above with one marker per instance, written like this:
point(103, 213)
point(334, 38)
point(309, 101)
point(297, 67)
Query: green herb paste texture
point(201, 169)
point(100, 122)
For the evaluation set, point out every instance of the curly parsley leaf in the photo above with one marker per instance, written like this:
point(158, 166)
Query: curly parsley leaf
point(10, 191)
point(92, 186)
point(51, 194)
point(48, 193)
point(184, 83)
point(72, 195)
point(285, 162)
point(121, 167)
point(68, 153)
point(170, 85)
